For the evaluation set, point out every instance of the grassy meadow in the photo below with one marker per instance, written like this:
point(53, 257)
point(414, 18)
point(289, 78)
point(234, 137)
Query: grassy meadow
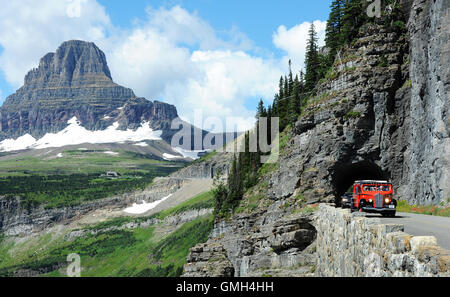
point(75, 176)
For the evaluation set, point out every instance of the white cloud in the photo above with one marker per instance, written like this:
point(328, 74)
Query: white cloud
point(225, 79)
point(29, 29)
point(294, 40)
point(155, 61)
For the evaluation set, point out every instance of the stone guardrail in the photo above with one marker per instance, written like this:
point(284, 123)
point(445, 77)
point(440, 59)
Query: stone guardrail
point(349, 245)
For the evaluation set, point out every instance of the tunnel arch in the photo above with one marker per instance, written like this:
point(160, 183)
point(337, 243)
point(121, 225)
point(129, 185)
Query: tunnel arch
point(345, 174)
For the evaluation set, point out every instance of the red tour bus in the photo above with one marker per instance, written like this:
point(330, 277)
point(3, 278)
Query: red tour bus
point(374, 196)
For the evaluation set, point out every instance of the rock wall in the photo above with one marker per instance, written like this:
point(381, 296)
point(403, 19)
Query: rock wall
point(175, 220)
point(426, 177)
point(349, 246)
point(16, 219)
point(381, 113)
point(217, 166)
point(262, 243)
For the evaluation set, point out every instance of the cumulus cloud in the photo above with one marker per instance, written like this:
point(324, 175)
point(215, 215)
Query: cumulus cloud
point(29, 29)
point(294, 40)
point(224, 79)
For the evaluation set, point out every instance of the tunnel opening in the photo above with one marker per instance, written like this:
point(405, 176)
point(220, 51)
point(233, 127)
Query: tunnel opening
point(345, 175)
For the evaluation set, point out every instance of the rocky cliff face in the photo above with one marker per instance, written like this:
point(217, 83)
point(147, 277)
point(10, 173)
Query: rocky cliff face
point(381, 114)
point(76, 81)
point(426, 177)
point(265, 243)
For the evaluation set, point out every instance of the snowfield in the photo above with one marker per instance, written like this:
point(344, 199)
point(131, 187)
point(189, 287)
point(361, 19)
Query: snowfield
point(144, 207)
point(170, 157)
point(111, 153)
point(143, 144)
point(75, 134)
point(20, 143)
point(186, 153)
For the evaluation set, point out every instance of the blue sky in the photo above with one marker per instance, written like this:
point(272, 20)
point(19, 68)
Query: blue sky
point(258, 19)
point(218, 56)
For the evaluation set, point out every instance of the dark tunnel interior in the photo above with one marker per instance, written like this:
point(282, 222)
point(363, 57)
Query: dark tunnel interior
point(346, 174)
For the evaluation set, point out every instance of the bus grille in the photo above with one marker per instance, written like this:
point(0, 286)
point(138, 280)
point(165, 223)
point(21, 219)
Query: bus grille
point(378, 201)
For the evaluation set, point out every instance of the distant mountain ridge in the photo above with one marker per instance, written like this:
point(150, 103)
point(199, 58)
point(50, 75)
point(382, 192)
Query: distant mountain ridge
point(75, 81)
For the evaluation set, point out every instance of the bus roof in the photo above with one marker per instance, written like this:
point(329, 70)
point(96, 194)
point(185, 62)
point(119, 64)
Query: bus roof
point(372, 182)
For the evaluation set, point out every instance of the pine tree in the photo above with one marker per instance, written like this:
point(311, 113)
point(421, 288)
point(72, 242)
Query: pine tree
point(283, 102)
point(281, 88)
point(333, 37)
point(291, 79)
point(353, 17)
point(275, 105)
point(261, 110)
point(286, 88)
point(302, 81)
point(311, 60)
point(294, 101)
point(234, 185)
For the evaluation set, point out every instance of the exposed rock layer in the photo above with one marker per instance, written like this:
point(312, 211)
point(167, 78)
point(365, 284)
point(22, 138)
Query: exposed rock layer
point(382, 114)
point(17, 219)
point(264, 242)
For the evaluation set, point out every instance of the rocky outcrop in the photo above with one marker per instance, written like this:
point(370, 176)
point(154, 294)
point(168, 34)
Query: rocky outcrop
point(261, 243)
point(18, 219)
point(349, 246)
point(76, 81)
point(208, 260)
point(217, 166)
point(381, 113)
point(173, 221)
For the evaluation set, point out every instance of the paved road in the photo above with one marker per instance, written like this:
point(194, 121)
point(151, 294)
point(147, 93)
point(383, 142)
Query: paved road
point(423, 225)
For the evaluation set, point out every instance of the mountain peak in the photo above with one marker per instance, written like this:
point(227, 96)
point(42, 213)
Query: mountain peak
point(74, 63)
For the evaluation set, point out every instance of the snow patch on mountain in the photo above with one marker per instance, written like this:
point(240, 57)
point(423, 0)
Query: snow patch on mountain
point(17, 144)
point(143, 144)
point(144, 207)
point(187, 153)
point(170, 157)
point(75, 134)
point(111, 153)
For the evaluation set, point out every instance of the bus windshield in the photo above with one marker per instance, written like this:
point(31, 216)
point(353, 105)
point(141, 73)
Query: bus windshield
point(376, 188)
